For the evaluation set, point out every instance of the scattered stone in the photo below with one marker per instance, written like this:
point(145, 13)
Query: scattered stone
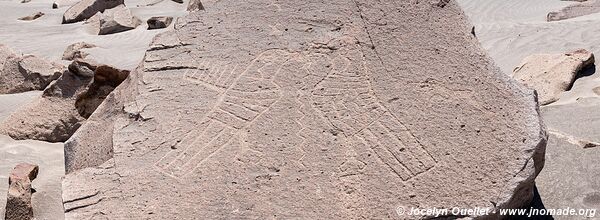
point(195, 5)
point(65, 104)
point(74, 51)
point(25, 73)
point(159, 22)
point(18, 204)
point(114, 20)
point(178, 1)
point(32, 17)
point(334, 119)
point(552, 74)
point(575, 10)
point(25, 1)
point(596, 90)
point(87, 8)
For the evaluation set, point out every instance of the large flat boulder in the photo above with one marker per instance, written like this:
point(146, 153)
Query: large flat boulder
point(25, 73)
point(552, 74)
point(87, 8)
point(308, 109)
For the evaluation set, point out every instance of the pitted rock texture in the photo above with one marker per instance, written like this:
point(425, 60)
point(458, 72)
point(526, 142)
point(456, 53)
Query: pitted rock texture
point(552, 74)
point(308, 109)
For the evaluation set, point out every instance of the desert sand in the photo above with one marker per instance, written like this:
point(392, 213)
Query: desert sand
point(46, 37)
point(512, 30)
point(294, 109)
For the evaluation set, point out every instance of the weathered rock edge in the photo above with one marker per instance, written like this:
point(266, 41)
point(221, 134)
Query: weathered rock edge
point(120, 109)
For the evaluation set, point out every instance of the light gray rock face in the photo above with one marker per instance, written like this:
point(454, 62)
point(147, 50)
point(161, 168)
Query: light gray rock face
point(552, 74)
point(65, 104)
point(308, 109)
point(114, 20)
point(570, 177)
point(24, 73)
point(75, 51)
point(18, 203)
point(575, 10)
point(87, 8)
point(580, 125)
point(159, 22)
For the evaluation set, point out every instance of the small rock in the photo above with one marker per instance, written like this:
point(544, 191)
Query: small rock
point(87, 8)
point(159, 22)
point(178, 1)
point(114, 20)
point(552, 74)
point(83, 68)
point(18, 203)
point(74, 51)
point(32, 17)
point(25, 1)
point(596, 90)
point(195, 5)
point(54, 5)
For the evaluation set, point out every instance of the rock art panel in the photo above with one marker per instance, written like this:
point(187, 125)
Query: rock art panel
point(287, 109)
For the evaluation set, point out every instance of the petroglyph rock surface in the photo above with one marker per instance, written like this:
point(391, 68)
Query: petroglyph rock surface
point(308, 109)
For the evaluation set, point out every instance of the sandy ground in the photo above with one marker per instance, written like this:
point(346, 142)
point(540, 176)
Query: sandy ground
point(46, 37)
point(510, 30)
